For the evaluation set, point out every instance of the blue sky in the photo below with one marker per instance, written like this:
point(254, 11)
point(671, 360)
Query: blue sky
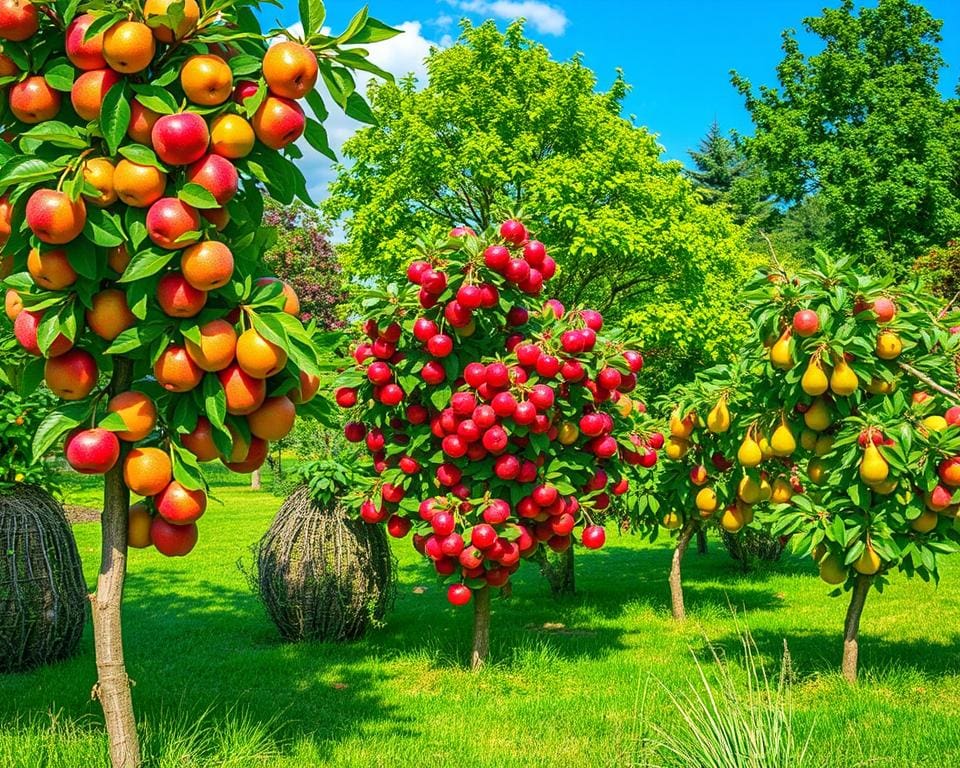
point(676, 55)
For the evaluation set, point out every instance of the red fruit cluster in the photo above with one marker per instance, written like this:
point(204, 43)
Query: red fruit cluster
point(496, 423)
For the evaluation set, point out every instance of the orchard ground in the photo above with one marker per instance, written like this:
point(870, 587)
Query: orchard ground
point(575, 681)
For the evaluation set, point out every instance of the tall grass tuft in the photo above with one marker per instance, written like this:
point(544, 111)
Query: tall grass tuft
point(735, 723)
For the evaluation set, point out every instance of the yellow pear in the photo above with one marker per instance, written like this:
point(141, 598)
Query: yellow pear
point(832, 570)
point(873, 467)
point(749, 454)
point(877, 386)
point(824, 445)
point(818, 416)
point(808, 439)
point(746, 512)
point(706, 500)
point(732, 519)
point(568, 433)
point(843, 379)
point(780, 355)
point(748, 490)
point(782, 441)
point(682, 428)
point(887, 487)
point(814, 381)
point(818, 552)
point(889, 345)
point(782, 491)
point(926, 522)
point(868, 563)
point(718, 420)
point(816, 471)
point(935, 423)
point(624, 406)
point(766, 450)
point(677, 448)
point(672, 521)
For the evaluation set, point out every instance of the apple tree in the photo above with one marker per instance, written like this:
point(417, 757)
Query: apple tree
point(138, 142)
point(495, 422)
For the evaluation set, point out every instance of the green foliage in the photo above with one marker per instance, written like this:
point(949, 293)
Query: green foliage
point(501, 127)
point(861, 124)
point(20, 416)
point(724, 175)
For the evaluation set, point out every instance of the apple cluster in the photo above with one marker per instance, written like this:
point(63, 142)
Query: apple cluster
point(119, 242)
point(495, 422)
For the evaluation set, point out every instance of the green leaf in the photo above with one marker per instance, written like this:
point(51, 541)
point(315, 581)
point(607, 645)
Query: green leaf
point(312, 16)
point(56, 133)
point(197, 196)
point(356, 24)
point(373, 31)
point(358, 109)
point(103, 228)
point(316, 136)
point(315, 100)
point(115, 116)
point(245, 65)
point(214, 401)
point(56, 423)
point(146, 263)
point(32, 170)
point(141, 155)
point(102, 24)
point(112, 422)
point(59, 75)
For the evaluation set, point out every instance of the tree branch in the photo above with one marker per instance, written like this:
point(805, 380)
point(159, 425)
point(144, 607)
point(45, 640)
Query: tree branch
point(930, 382)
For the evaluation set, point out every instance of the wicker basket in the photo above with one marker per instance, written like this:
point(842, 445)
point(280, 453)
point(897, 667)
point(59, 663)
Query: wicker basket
point(43, 597)
point(320, 573)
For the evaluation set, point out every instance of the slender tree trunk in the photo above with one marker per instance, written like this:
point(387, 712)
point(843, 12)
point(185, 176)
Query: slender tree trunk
point(851, 628)
point(676, 585)
point(560, 575)
point(113, 685)
point(701, 542)
point(255, 480)
point(481, 628)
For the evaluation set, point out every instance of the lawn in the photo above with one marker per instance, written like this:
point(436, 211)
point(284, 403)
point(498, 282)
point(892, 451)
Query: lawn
point(577, 681)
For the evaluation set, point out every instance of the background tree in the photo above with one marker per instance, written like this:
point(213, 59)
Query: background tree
point(501, 127)
point(724, 175)
point(304, 258)
point(862, 125)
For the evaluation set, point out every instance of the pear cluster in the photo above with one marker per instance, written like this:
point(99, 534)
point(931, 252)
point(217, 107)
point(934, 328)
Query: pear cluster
point(819, 425)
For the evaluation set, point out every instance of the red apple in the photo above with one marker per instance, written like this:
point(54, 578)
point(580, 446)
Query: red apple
point(92, 451)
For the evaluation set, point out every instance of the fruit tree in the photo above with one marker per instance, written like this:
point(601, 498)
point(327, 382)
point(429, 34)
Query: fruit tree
point(845, 425)
point(496, 422)
point(138, 142)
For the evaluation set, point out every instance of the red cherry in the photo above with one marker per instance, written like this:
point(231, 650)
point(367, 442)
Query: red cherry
point(542, 396)
point(513, 232)
point(469, 296)
point(609, 378)
point(507, 467)
point(398, 527)
point(459, 594)
point(424, 328)
point(354, 432)
point(593, 537)
point(433, 372)
point(547, 366)
point(496, 257)
point(497, 375)
point(517, 316)
point(433, 281)
point(483, 536)
point(440, 345)
point(489, 296)
point(534, 252)
point(495, 439)
point(391, 395)
point(415, 271)
point(454, 446)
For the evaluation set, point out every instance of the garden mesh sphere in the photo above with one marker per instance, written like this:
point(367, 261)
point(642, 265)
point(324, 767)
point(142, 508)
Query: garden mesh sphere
point(321, 574)
point(43, 597)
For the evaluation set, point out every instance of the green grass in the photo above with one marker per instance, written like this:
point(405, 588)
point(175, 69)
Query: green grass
point(215, 687)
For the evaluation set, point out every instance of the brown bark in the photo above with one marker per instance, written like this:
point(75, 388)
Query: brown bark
point(255, 480)
point(481, 628)
point(851, 628)
point(113, 685)
point(701, 542)
point(676, 585)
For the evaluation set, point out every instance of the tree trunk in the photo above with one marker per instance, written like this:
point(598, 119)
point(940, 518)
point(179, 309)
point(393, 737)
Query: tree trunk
point(701, 542)
point(676, 586)
point(255, 480)
point(481, 628)
point(560, 575)
point(851, 628)
point(113, 685)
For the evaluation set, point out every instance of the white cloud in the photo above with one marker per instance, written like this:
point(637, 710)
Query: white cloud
point(401, 55)
point(544, 18)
